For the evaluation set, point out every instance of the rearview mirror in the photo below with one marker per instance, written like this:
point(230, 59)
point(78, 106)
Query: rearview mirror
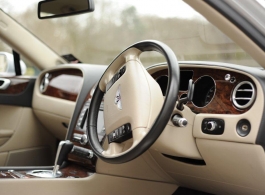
point(60, 8)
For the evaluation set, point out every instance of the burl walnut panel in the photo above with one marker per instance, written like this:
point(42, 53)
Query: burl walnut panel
point(76, 171)
point(60, 88)
point(72, 170)
point(16, 86)
point(222, 100)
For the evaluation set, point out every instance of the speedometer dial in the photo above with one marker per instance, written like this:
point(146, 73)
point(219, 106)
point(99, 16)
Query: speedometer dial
point(204, 91)
point(209, 95)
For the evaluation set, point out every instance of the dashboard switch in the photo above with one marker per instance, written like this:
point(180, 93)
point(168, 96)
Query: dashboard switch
point(83, 152)
point(227, 77)
point(243, 127)
point(83, 140)
point(76, 137)
point(120, 134)
point(213, 126)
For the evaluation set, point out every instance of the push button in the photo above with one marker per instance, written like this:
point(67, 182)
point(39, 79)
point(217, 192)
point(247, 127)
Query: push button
point(213, 126)
point(243, 127)
point(120, 134)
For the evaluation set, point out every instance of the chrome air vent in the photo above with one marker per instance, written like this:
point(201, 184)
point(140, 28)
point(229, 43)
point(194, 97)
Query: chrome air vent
point(44, 83)
point(244, 95)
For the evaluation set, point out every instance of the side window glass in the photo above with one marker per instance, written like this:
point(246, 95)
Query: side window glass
point(32, 70)
point(7, 67)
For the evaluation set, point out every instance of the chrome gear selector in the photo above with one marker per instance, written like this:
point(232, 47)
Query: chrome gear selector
point(64, 149)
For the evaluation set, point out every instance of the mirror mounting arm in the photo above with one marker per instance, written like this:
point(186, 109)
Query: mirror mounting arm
point(17, 63)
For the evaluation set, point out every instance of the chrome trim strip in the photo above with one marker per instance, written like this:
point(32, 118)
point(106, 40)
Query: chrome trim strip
point(5, 85)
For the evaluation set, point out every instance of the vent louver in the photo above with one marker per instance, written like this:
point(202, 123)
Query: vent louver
point(244, 95)
point(44, 83)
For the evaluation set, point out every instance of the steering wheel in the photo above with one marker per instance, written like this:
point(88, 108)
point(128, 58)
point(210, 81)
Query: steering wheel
point(135, 111)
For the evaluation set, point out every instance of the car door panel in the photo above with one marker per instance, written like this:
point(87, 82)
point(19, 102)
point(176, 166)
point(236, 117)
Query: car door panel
point(21, 134)
point(18, 93)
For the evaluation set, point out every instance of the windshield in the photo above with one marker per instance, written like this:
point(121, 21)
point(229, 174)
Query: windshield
point(261, 2)
point(98, 37)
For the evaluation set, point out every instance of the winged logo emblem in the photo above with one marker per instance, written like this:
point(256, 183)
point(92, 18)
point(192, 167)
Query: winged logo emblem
point(118, 98)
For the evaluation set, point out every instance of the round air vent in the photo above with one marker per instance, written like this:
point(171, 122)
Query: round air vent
point(244, 95)
point(44, 83)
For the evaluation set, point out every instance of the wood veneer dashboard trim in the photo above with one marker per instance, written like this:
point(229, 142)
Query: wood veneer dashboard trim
point(17, 86)
point(58, 88)
point(221, 103)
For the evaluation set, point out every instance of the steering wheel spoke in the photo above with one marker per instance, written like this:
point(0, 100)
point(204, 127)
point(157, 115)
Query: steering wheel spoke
point(113, 149)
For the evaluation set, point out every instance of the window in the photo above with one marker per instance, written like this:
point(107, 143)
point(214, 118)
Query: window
point(7, 65)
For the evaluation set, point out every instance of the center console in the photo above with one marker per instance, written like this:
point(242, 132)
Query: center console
point(81, 152)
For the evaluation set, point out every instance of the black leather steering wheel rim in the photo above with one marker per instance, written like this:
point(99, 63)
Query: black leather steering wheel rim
point(162, 118)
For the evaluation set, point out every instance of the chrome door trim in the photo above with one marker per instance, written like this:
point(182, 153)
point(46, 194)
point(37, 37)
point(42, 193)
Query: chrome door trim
point(5, 85)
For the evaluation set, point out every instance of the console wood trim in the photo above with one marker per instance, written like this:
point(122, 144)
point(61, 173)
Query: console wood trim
point(72, 170)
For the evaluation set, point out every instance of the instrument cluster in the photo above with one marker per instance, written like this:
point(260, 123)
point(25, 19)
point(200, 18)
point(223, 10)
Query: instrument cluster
point(213, 91)
point(204, 89)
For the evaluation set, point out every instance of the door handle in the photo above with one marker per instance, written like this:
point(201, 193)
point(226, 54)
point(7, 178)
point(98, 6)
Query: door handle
point(4, 83)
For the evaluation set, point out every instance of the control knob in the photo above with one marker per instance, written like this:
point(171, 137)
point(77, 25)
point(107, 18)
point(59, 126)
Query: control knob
point(178, 121)
point(211, 125)
point(83, 140)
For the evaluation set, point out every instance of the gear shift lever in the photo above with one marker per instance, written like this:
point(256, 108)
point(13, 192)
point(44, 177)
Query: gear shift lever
point(63, 150)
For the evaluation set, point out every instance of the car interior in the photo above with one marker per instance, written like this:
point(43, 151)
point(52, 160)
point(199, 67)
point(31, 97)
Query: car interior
point(180, 111)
